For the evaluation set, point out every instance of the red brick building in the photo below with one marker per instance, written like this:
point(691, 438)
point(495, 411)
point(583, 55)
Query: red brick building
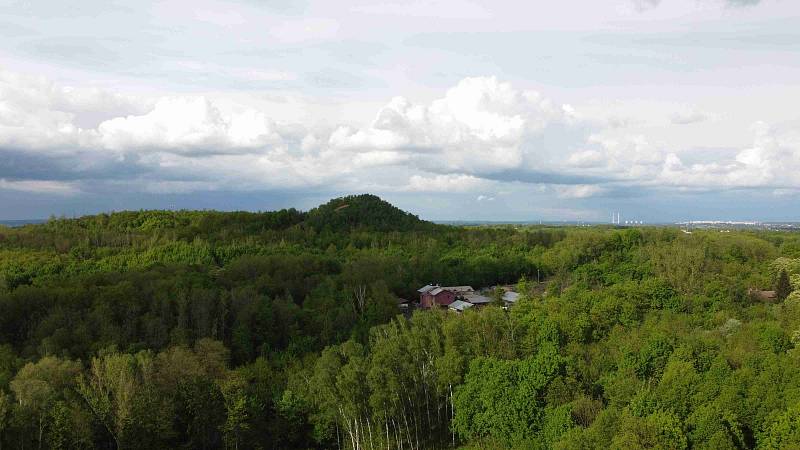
point(433, 295)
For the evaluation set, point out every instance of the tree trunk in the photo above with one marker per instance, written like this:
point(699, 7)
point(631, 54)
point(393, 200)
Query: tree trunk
point(369, 428)
point(41, 430)
point(408, 429)
point(452, 414)
point(416, 422)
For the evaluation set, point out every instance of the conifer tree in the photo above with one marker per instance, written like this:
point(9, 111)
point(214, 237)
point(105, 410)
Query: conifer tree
point(784, 287)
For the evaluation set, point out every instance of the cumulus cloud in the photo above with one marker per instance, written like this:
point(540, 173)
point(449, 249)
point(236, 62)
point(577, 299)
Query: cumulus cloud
point(480, 126)
point(36, 113)
point(481, 134)
point(626, 157)
point(189, 125)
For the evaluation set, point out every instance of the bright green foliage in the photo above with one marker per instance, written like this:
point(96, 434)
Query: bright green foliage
point(503, 399)
point(784, 432)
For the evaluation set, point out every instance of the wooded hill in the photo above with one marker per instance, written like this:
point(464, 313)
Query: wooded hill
point(204, 329)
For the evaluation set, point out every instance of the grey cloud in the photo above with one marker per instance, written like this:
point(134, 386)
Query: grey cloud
point(544, 177)
point(688, 118)
point(645, 5)
point(742, 2)
point(68, 166)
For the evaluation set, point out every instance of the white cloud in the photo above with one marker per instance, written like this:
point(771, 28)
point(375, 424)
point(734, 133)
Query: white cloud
point(39, 186)
point(480, 126)
point(36, 113)
point(446, 183)
point(484, 198)
point(772, 161)
point(578, 190)
point(190, 125)
point(587, 159)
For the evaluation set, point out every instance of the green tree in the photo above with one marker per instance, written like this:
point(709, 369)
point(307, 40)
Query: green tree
point(110, 390)
point(236, 416)
point(784, 432)
point(503, 399)
point(37, 386)
point(783, 287)
point(659, 430)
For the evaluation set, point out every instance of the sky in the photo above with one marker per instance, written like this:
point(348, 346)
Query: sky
point(663, 110)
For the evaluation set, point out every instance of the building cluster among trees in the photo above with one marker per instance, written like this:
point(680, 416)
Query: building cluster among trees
point(461, 298)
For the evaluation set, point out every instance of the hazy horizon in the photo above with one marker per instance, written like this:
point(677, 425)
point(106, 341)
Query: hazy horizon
point(444, 220)
point(454, 110)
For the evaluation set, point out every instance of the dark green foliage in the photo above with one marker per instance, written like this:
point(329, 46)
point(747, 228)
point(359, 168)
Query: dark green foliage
point(783, 287)
point(364, 212)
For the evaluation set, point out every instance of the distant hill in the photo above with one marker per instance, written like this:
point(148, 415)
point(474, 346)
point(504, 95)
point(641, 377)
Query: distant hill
point(354, 212)
point(363, 211)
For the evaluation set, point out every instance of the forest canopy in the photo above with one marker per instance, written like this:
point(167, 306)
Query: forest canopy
point(206, 329)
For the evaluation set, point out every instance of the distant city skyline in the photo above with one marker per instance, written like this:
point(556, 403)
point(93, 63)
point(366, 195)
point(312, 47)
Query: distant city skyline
point(669, 110)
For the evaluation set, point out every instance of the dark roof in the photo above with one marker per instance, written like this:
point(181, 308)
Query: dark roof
point(427, 288)
point(458, 289)
point(458, 305)
point(437, 291)
point(477, 299)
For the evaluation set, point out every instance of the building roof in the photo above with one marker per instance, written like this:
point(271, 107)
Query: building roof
point(427, 288)
point(458, 305)
point(437, 291)
point(764, 295)
point(459, 289)
point(401, 300)
point(477, 299)
point(510, 297)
